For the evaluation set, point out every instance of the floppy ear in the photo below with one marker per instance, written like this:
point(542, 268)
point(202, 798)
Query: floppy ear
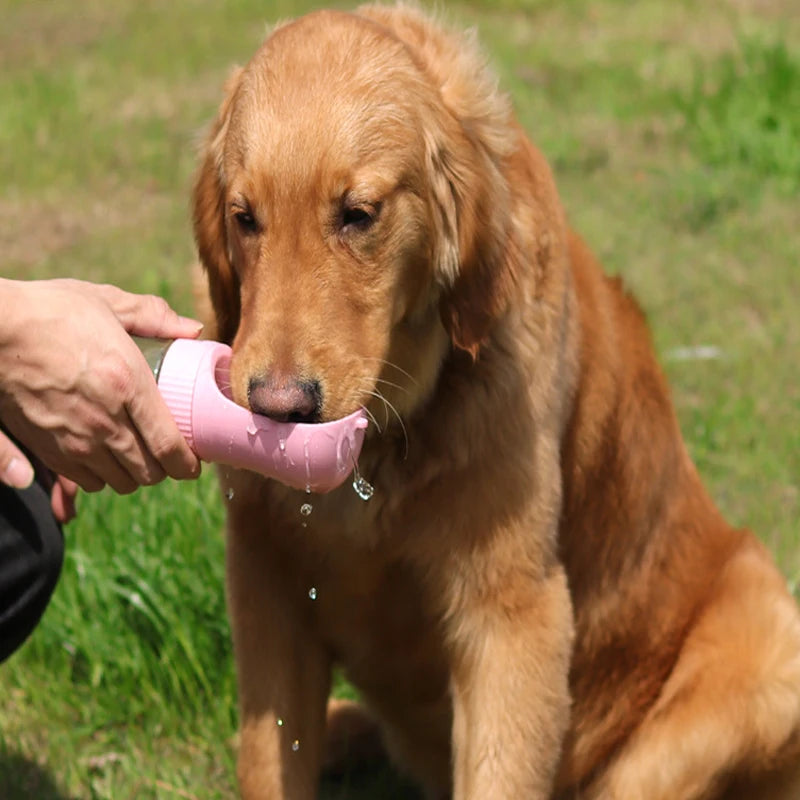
point(469, 137)
point(209, 220)
point(473, 259)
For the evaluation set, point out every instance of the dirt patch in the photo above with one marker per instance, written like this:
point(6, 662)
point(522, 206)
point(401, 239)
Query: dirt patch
point(770, 9)
point(35, 34)
point(32, 231)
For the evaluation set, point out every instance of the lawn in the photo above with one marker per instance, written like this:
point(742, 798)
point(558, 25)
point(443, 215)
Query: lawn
point(674, 131)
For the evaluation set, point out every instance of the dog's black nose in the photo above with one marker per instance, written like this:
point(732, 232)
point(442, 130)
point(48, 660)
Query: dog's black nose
point(285, 399)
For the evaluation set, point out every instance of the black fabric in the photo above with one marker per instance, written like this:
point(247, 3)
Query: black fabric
point(31, 555)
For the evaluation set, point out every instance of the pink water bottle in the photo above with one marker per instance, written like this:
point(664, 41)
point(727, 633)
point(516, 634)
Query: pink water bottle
point(193, 378)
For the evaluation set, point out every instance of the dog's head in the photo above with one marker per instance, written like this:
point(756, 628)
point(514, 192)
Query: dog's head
point(351, 212)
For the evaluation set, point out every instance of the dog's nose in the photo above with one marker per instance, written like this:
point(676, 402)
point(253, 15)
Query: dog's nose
point(284, 399)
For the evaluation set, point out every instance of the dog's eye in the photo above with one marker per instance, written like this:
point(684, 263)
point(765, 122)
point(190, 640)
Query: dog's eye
point(246, 221)
point(359, 218)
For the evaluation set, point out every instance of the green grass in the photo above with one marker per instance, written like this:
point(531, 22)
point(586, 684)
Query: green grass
point(745, 110)
point(673, 130)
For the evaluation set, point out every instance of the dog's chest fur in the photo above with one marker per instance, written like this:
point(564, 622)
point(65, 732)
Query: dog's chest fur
point(350, 570)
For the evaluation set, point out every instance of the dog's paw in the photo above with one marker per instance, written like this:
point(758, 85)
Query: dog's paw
point(353, 738)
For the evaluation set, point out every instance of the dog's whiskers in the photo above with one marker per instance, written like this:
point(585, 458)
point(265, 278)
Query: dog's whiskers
point(389, 407)
point(372, 417)
point(393, 385)
point(393, 366)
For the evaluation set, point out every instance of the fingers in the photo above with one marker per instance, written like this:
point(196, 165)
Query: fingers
point(154, 423)
point(134, 440)
point(87, 479)
point(135, 465)
point(62, 499)
point(148, 315)
point(83, 397)
point(109, 452)
point(15, 470)
point(161, 440)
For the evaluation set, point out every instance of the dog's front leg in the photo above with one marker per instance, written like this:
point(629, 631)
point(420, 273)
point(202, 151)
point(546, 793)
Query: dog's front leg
point(511, 650)
point(283, 676)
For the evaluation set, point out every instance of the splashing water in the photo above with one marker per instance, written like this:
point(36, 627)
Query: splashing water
point(295, 745)
point(306, 509)
point(312, 593)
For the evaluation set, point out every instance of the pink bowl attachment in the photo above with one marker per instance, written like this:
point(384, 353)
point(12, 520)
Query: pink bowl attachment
point(194, 380)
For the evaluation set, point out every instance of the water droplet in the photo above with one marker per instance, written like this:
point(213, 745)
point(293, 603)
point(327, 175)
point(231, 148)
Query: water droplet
point(307, 455)
point(252, 429)
point(312, 593)
point(306, 509)
point(295, 745)
point(282, 445)
point(229, 493)
point(364, 489)
point(280, 722)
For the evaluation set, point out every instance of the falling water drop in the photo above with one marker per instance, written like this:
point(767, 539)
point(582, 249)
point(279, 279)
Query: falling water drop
point(306, 509)
point(312, 593)
point(229, 493)
point(364, 489)
point(282, 445)
point(295, 745)
point(280, 722)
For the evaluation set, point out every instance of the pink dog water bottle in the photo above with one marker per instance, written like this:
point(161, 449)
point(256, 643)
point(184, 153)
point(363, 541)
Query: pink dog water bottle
point(193, 378)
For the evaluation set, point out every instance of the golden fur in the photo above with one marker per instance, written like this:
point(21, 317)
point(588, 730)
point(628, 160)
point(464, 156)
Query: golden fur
point(540, 600)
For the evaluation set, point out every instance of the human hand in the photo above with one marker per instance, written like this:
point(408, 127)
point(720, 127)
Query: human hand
point(17, 471)
point(76, 390)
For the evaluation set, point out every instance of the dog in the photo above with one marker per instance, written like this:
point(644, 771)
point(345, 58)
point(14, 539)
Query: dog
point(540, 600)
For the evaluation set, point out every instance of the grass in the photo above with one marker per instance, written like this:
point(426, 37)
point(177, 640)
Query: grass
point(744, 111)
point(673, 133)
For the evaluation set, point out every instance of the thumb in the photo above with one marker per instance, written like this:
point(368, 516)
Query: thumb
point(15, 470)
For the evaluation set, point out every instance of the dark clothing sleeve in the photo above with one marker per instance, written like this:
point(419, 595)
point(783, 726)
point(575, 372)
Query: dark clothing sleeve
point(31, 555)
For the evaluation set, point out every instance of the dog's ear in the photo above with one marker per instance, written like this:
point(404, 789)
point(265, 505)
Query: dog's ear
point(208, 202)
point(473, 258)
point(469, 137)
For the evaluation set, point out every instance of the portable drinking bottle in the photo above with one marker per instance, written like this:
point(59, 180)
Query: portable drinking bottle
point(193, 378)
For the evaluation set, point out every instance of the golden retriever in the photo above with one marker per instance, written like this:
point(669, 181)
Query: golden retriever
point(540, 600)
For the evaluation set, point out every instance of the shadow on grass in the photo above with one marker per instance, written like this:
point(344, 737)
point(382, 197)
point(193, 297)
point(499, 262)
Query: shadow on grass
point(377, 780)
point(23, 779)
